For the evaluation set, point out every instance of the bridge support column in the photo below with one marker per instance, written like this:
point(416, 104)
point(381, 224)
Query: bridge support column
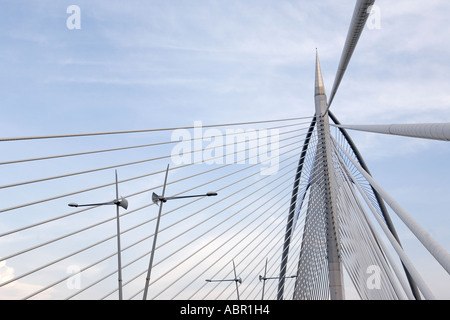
point(329, 186)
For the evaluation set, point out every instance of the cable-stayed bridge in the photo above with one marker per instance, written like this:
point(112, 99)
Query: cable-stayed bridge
point(297, 214)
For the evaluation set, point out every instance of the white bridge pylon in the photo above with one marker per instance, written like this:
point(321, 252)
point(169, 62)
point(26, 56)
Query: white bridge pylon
point(338, 232)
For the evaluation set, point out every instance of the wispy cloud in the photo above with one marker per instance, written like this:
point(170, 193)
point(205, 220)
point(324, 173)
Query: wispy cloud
point(220, 61)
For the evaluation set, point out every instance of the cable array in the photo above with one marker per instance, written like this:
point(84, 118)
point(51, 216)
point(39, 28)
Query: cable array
point(361, 248)
point(51, 251)
point(312, 280)
point(364, 248)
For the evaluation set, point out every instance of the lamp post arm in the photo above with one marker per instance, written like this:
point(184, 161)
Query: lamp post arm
point(164, 199)
point(76, 205)
point(222, 280)
point(184, 197)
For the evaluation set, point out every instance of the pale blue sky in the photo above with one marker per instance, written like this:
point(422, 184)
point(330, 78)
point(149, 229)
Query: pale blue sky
point(151, 64)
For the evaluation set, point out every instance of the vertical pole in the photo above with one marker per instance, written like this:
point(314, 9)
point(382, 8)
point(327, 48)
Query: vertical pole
point(119, 260)
point(236, 281)
point(329, 185)
point(155, 236)
point(264, 280)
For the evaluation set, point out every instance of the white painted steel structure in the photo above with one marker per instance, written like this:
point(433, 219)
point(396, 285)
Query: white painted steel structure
point(328, 186)
point(432, 131)
point(357, 24)
point(322, 185)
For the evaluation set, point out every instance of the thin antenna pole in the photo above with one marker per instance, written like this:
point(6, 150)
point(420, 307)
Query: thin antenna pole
point(155, 236)
point(119, 260)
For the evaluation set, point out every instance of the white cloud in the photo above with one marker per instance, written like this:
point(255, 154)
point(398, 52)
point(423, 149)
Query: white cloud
point(6, 273)
point(17, 289)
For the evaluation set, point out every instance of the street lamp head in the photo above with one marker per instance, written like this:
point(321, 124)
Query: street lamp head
point(122, 203)
point(211, 194)
point(155, 198)
point(73, 205)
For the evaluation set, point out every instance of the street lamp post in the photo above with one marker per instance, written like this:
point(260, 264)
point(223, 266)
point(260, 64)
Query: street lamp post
point(122, 202)
point(236, 280)
point(162, 199)
point(264, 278)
